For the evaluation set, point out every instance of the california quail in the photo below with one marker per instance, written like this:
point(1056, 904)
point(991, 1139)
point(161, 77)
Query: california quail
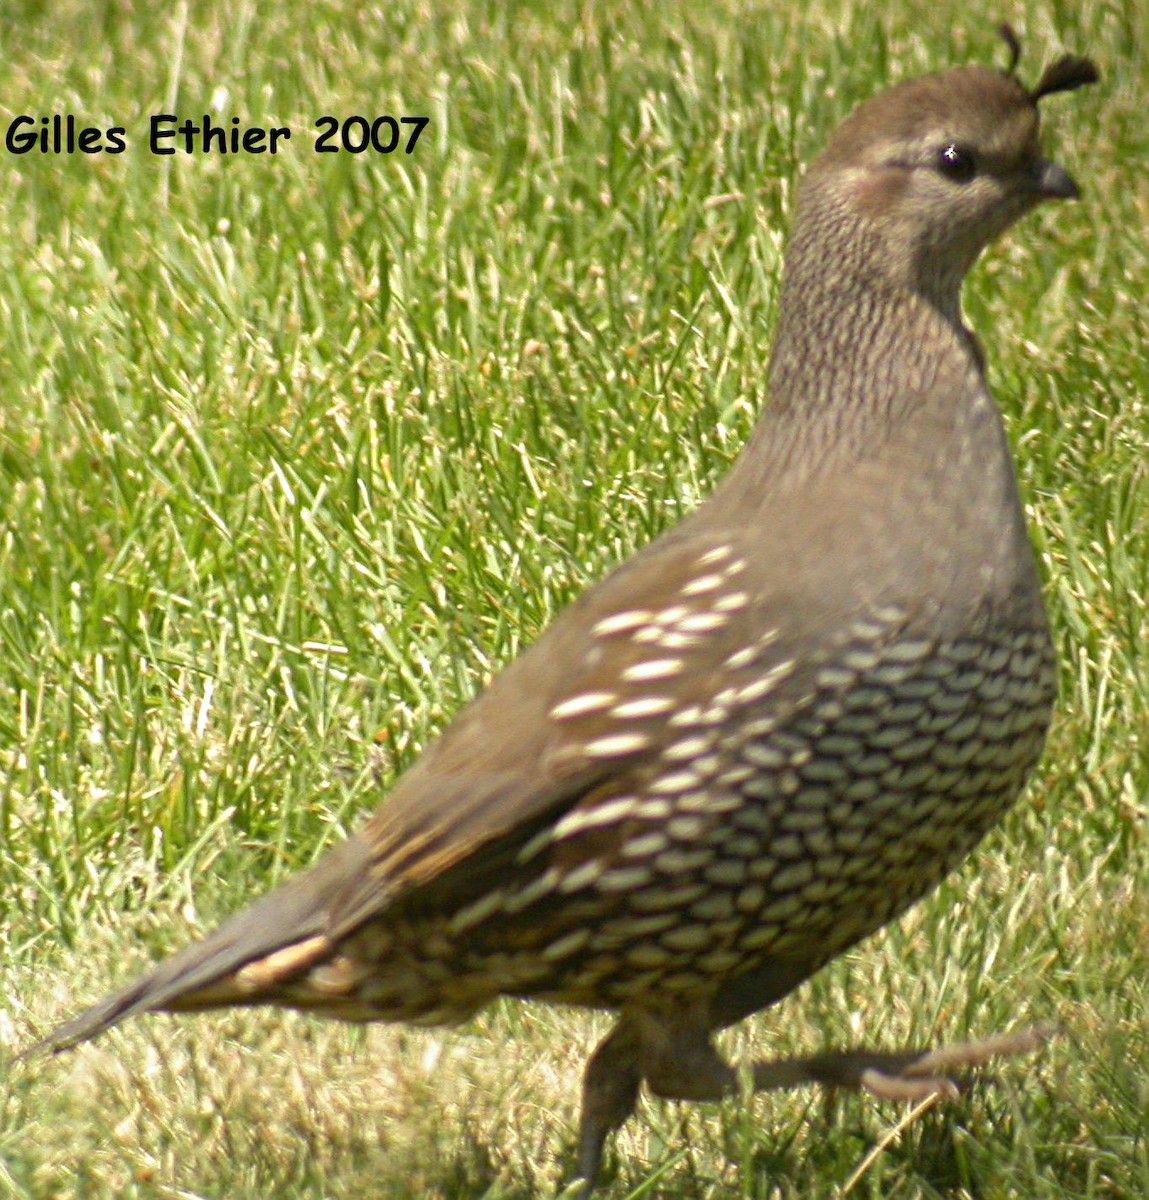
point(770, 731)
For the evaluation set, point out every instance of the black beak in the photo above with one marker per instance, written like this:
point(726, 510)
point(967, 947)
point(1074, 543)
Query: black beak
point(1052, 182)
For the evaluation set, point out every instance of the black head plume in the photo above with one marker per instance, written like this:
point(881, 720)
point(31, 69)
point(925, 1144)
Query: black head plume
point(1064, 75)
point(1010, 38)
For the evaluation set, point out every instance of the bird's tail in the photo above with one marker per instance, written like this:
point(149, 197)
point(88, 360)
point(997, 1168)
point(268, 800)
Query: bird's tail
point(246, 961)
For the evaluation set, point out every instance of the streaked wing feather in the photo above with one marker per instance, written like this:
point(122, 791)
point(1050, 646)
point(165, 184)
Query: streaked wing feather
point(290, 916)
point(506, 761)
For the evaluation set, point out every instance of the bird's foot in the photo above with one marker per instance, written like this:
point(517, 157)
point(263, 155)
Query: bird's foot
point(900, 1075)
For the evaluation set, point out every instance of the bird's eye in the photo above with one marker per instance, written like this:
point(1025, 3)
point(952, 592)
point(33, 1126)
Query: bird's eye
point(957, 163)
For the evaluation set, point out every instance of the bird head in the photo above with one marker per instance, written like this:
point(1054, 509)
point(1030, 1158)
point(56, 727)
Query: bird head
point(934, 169)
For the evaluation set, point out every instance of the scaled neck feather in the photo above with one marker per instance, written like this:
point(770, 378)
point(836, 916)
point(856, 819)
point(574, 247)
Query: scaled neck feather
point(864, 344)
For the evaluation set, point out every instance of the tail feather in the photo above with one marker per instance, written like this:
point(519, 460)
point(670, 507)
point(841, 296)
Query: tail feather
point(276, 938)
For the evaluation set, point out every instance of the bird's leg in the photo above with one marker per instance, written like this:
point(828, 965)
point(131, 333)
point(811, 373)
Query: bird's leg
point(609, 1094)
point(898, 1075)
point(677, 1061)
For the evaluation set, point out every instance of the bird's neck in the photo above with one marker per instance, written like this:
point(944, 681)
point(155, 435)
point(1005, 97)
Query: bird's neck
point(872, 381)
point(860, 353)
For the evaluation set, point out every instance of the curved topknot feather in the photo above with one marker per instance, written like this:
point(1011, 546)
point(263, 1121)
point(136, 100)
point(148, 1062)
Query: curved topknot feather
point(1011, 40)
point(1066, 74)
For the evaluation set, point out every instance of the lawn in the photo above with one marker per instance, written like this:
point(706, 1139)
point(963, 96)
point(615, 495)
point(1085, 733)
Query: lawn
point(297, 450)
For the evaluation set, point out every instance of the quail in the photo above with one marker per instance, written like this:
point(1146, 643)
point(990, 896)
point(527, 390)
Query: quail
point(770, 731)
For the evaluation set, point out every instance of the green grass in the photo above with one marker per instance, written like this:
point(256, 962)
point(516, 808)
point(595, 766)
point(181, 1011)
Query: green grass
point(295, 453)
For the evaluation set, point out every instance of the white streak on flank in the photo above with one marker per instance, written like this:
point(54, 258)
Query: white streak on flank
point(762, 754)
point(656, 668)
point(703, 584)
point(861, 659)
point(836, 677)
point(766, 683)
point(535, 890)
point(653, 842)
point(608, 813)
point(758, 728)
point(702, 622)
point(621, 622)
point(731, 602)
point(576, 706)
point(624, 879)
point(567, 945)
point(582, 876)
point(653, 810)
point(868, 631)
point(644, 706)
point(741, 658)
point(734, 568)
point(540, 841)
point(648, 633)
point(677, 781)
point(713, 556)
point(908, 651)
point(680, 641)
point(687, 748)
point(709, 801)
point(474, 914)
point(615, 744)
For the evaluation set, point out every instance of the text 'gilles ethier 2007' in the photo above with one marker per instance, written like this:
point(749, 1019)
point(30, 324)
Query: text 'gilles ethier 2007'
point(169, 133)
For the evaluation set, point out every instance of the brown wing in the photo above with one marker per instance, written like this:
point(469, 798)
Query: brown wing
point(585, 705)
point(531, 746)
